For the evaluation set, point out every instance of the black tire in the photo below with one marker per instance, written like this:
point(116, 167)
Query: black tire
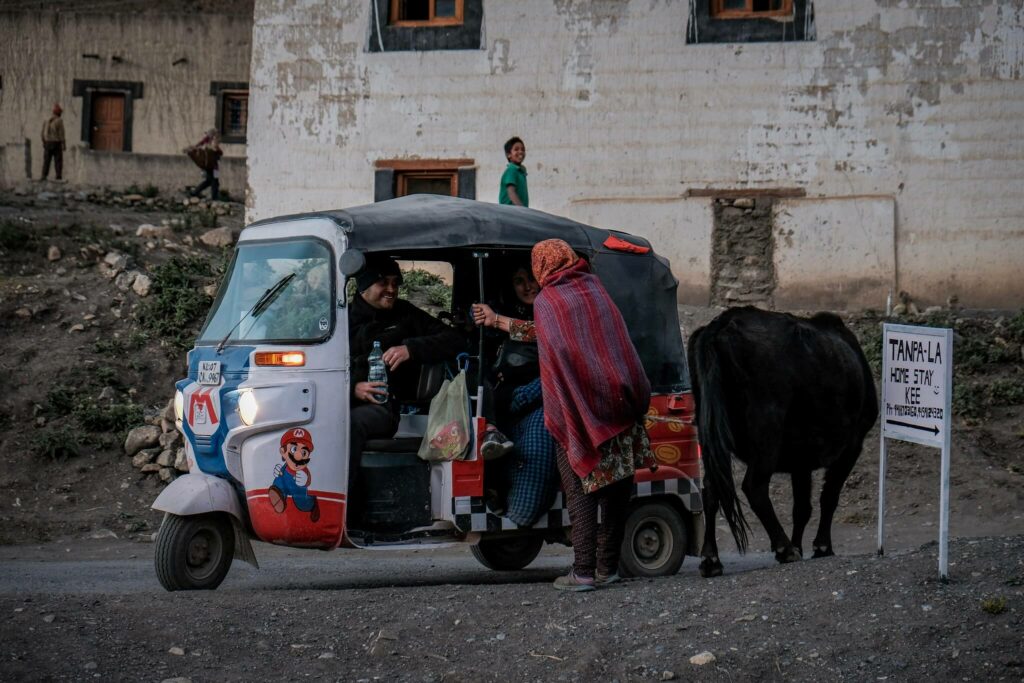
point(655, 542)
point(507, 554)
point(194, 553)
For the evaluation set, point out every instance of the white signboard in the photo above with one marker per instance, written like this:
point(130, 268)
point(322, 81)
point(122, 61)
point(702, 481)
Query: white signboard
point(917, 378)
point(917, 395)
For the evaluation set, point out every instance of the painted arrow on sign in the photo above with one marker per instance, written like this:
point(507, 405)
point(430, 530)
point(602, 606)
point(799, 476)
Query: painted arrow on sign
point(933, 429)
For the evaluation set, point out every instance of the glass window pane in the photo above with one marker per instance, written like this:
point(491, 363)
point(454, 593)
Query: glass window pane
point(301, 311)
point(444, 8)
point(414, 10)
point(734, 4)
point(428, 185)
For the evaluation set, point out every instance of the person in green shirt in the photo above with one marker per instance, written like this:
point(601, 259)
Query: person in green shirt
point(513, 181)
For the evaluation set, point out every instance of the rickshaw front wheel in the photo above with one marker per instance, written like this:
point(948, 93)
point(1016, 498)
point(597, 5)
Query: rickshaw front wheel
point(194, 553)
point(507, 554)
point(655, 541)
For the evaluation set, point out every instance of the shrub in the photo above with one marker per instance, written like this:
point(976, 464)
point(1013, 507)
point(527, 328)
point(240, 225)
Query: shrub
point(150, 191)
point(56, 444)
point(16, 237)
point(994, 605)
point(115, 417)
point(177, 304)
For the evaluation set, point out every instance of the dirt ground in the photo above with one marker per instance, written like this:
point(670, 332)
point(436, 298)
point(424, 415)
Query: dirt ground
point(81, 365)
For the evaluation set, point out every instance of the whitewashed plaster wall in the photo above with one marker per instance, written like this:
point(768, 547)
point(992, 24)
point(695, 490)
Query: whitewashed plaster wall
point(917, 100)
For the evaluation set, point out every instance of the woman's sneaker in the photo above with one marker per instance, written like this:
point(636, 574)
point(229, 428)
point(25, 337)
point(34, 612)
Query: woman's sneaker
point(495, 444)
point(606, 579)
point(571, 582)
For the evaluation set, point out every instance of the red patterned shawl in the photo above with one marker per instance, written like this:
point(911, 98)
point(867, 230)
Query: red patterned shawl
point(594, 385)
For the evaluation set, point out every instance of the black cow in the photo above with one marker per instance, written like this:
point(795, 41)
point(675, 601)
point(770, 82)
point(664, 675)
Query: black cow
point(782, 394)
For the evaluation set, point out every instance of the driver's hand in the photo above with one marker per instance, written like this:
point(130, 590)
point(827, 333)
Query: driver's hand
point(396, 355)
point(484, 315)
point(366, 391)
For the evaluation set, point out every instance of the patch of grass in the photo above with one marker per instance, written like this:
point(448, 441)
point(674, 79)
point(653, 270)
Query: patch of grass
point(133, 189)
point(60, 399)
point(57, 444)
point(16, 237)
point(105, 376)
point(994, 606)
point(870, 338)
point(207, 218)
point(177, 304)
point(974, 398)
point(115, 417)
point(150, 191)
point(1015, 328)
point(1006, 392)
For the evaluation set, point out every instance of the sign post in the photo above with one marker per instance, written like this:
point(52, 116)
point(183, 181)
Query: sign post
point(917, 396)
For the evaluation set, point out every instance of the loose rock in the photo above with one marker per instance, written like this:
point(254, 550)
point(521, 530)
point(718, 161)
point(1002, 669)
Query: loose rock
point(702, 659)
point(53, 253)
point(146, 436)
point(218, 237)
point(142, 284)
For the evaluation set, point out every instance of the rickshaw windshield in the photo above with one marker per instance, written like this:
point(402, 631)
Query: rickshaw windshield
point(292, 309)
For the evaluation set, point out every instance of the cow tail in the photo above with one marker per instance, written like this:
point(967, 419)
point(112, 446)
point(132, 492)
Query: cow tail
point(716, 439)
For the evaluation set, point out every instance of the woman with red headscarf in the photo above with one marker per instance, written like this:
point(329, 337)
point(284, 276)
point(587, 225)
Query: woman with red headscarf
point(596, 395)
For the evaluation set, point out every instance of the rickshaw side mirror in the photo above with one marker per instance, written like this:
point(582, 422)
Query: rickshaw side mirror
point(351, 262)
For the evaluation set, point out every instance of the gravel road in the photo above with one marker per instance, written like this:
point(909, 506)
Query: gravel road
point(438, 618)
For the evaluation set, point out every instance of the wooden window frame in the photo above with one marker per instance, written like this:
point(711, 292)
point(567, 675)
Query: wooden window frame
point(718, 11)
point(402, 180)
point(391, 176)
point(225, 97)
point(457, 20)
point(221, 90)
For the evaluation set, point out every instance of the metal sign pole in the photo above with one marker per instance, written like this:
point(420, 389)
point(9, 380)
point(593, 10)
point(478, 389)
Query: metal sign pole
point(881, 493)
point(944, 486)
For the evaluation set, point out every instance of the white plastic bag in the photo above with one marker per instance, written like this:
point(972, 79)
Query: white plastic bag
point(448, 435)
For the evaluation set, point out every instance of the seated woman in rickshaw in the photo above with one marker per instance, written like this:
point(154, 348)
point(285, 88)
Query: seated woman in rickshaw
point(519, 410)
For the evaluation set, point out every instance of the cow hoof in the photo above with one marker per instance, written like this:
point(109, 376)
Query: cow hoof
point(823, 552)
point(710, 568)
point(788, 555)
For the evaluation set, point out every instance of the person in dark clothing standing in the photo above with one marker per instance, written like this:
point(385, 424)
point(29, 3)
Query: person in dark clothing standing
point(409, 338)
point(54, 143)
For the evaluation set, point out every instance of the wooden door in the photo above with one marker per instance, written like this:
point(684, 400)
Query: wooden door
point(107, 121)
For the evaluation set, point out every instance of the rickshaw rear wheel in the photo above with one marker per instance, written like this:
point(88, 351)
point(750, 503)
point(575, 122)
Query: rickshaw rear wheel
point(507, 554)
point(194, 553)
point(655, 541)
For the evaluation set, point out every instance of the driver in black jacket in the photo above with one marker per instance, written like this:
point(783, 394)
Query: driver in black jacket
point(409, 338)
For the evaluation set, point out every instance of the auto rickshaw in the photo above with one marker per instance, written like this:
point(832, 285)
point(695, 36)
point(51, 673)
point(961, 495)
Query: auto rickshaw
point(270, 372)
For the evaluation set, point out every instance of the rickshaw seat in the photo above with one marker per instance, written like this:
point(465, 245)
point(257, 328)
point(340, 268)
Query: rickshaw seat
point(412, 427)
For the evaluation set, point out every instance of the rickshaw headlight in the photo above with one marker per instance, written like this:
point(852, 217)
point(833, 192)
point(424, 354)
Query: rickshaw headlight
point(179, 406)
point(247, 407)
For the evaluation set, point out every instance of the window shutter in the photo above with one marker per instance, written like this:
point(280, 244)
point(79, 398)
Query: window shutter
point(383, 184)
point(467, 182)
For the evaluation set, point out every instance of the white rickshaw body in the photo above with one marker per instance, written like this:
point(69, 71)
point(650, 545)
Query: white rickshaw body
point(265, 407)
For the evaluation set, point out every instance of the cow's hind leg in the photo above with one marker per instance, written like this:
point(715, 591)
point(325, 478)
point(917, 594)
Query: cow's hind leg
point(710, 564)
point(835, 477)
point(755, 486)
point(801, 507)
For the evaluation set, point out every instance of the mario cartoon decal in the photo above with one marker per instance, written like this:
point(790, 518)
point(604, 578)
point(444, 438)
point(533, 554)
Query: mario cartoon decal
point(292, 477)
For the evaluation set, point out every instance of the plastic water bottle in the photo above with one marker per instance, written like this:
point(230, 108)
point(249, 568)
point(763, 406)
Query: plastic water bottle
point(378, 371)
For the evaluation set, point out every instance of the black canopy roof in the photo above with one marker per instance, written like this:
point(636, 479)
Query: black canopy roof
point(642, 285)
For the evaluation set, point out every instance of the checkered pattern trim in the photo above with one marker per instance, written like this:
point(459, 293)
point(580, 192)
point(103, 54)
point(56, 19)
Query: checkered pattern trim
point(471, 514)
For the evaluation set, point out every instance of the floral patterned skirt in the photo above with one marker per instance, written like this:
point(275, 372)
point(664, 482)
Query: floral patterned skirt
point(621, 456)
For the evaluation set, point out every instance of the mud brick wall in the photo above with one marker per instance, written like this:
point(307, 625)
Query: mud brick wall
point(742, 270)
